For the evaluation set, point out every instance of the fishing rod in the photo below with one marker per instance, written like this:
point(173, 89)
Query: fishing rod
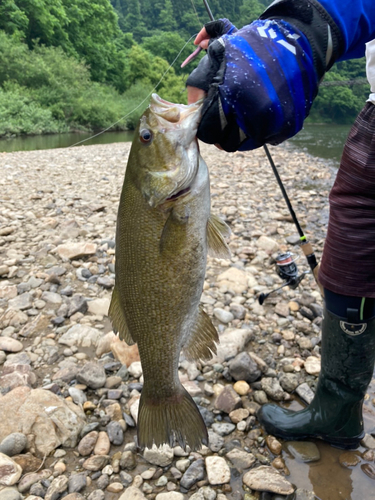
point(286, 266)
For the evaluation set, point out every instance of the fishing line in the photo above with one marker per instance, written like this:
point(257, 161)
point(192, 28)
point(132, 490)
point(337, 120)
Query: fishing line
point(196, 12)
point(140, 104)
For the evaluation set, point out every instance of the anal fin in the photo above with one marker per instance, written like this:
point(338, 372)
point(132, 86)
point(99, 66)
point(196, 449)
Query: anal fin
point(117, 317)
point(216, 230)
point(203, 338)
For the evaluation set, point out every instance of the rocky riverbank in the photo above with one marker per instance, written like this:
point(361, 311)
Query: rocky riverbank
point(70, 389)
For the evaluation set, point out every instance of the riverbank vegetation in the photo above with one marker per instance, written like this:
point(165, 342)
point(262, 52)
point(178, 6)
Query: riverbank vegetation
point(86, 64)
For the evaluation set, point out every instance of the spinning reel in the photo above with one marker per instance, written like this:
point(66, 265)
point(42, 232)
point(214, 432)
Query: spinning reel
point(286, 268)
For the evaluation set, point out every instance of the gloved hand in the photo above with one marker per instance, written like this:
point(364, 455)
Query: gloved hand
point(261, 80)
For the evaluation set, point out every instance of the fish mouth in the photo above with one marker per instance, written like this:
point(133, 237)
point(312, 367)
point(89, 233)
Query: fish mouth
point(181, 193)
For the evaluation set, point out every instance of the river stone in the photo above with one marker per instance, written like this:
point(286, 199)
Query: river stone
point(301, 494)
point(13, 444)
point(215, 442)
point(235, 279)
point(96, 495)
point(58, 486)
point(266, 478)
point(8, 292)
point(28, 480)
point(99, 306)
point(289, 382)
point(93, 375)
point(95, 462)
point(272, 388)
point(267, 244)
point(13, 317)
point(161, 456)
point(303, 451)
point(21, 302)
point(8, 344)
point(10, 471)
point(115, 433)
point(243, 367)
point(312, 365)
point(28, 462)
point(232, 341)
point(222, 315)
point(70, 251)
point(77, 482)
point(170, 495)
point(53, 421)
point(274, 445)
point(10, 494)
point(237, 416)
point(123, 352)
point(369, 470)
point(81, 335)
point(368, 442)
point(103, 444)
point(87, 444)
point(218, 471)
point(132, 493)
point(228, 400)
point(241, 459)
point(305, 393)
point(223, 428)
point(193, 474)
point(350, 458)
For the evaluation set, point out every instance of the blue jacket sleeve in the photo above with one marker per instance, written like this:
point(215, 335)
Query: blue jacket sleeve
point(356, 21)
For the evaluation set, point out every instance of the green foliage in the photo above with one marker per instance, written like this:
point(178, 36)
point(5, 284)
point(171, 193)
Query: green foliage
point(21, 115)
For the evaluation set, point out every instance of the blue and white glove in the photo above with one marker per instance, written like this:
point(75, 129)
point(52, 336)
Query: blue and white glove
point(261, 80)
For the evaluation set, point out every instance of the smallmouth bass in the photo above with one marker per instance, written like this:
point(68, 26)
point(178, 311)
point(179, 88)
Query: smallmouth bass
point(164, 230)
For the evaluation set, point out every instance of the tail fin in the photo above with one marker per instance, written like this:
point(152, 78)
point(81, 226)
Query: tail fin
point(170, 420)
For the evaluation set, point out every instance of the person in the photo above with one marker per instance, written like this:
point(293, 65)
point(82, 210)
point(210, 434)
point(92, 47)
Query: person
point(258, 85)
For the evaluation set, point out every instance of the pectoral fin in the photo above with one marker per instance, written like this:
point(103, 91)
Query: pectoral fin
point(201, 344)
point(216, 230)
point(117, 317)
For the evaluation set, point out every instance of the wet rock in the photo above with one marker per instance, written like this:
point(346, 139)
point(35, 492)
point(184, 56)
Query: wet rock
point(58, 486)
point(193, 474)
point(266, 478)
point(241, 459)
point(228, 400)
point(93, 375)
point(37, 410)
point(303, 451)
point(350, 458)
point(274, 445)
point(369, 470)
point(13, 444)
point(243, 367)
point(10, 471)
point(218, 471)
point(301, 494)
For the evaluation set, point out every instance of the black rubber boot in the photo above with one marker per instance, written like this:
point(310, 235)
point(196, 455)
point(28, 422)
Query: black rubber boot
point(335, 414)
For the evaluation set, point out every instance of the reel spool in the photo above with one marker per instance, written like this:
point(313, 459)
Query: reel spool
point(287, 269)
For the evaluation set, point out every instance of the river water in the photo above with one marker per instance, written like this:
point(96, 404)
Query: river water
point(324, 141)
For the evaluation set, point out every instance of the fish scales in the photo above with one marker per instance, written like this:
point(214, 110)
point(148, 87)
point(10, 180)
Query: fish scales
point(163, 233)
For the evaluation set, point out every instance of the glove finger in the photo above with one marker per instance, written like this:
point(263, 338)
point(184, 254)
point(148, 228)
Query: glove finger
point(220, 27)
point(205, 72)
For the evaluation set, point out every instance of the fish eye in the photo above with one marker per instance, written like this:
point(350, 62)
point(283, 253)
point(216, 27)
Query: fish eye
point(145, 136)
